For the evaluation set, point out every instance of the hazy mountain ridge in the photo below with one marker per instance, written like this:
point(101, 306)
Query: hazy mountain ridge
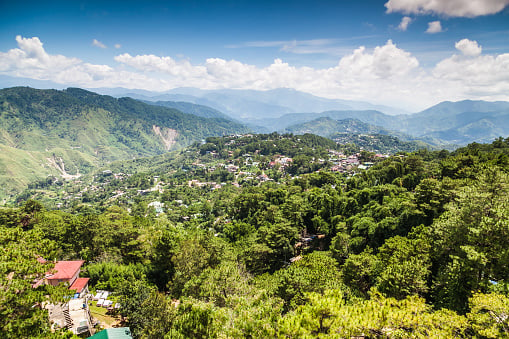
point(251, 105)
point(370, 116)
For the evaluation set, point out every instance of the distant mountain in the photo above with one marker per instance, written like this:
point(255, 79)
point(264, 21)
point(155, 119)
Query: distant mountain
point(371, 117)
point(458, 123)
point(73, 131)
point(326, 126)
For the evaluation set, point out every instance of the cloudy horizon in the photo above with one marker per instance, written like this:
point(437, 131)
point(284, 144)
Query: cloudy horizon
point(386, 65)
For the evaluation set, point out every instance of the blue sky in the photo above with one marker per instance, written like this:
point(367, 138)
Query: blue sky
point(406, 53)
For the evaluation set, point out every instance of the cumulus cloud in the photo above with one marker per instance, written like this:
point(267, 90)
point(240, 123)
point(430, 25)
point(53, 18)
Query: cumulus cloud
point(482, 76)
point(30, 60)
point(405, 21)
point(468, 47)
point(152, 63)
point(386, 61)
point(99, 44)
point(385, 74)
point(434, 27)
point(452, 8)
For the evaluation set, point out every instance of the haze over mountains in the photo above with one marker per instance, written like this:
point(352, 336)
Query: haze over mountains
point(251, 105)
point(278, 110)
point(446, 123)
point(452, 122)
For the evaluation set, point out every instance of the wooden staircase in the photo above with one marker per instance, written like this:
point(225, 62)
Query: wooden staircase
point(68, 321)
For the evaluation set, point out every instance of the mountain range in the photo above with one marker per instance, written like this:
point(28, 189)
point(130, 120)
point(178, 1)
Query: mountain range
point(275, 110)
point(457, 123)
point(251, 105)
point(73, 131)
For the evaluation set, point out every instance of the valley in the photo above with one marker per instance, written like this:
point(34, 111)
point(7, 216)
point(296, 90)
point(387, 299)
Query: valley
point(200, 227)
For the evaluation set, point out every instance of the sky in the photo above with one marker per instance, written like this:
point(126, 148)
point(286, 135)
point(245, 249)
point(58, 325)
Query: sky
point(410, 54)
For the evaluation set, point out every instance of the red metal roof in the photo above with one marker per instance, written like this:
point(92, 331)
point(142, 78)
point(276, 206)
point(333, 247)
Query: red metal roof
point(79, 284)
point(66, 269)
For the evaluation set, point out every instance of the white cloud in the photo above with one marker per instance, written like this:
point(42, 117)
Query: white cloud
point(117, 46)
point(452, 8)
point(385, 62)
point(167, 65)
point(30, 60)
point(385, 74)
point(482, 76)
point(468, 47)
point(434, 27)
point(99, 44)
point(405, 21)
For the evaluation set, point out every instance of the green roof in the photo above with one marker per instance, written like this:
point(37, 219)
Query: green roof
point(113, 333)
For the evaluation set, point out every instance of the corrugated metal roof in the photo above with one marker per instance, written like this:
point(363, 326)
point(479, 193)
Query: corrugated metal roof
point(79, 284)
point(113, 333)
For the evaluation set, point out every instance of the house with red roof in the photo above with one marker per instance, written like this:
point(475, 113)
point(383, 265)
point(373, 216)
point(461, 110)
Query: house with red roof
point(74, 314)
point(66, 272)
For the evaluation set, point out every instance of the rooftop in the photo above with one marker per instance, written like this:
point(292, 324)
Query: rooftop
point(79, 284)
point(66, 269)
point(113, 333)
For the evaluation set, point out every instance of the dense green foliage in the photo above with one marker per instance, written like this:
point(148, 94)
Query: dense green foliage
point(415, 246)
point(187, 107)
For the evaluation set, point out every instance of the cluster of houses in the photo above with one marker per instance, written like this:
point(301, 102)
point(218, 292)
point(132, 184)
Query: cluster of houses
point(282, 161)
point(346, 164)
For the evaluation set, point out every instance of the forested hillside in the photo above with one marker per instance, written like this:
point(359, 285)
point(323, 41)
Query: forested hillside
point(261, 236)
point(187, 107)
point(73, 131)
point(326, 126)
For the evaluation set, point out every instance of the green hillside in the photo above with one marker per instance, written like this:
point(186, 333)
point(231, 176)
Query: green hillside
point(380, 143)
point(326, 126)
point(72, 131)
